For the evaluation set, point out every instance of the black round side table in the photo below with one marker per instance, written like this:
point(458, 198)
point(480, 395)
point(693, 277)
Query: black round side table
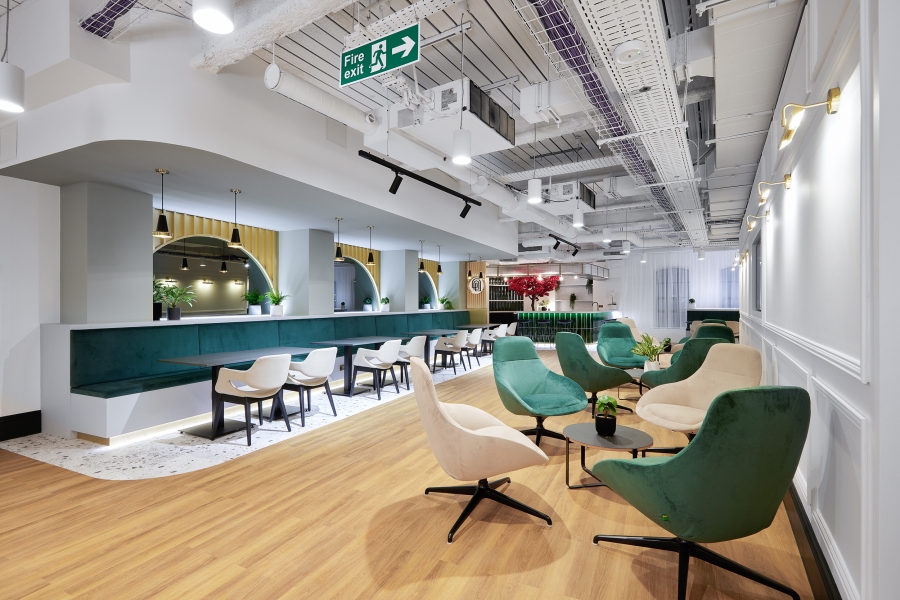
point(626, 439)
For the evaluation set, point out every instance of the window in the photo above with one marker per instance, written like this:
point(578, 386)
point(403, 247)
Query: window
point(756, 273)
point(730, 288)
point(671, 298)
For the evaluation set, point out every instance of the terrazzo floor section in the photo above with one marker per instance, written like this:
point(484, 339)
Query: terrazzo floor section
point(175, 453)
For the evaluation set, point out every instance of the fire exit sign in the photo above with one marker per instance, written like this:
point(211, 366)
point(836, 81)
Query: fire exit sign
point(379, 56)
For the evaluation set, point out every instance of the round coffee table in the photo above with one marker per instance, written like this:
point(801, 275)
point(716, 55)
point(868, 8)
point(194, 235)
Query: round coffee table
point(626, 439)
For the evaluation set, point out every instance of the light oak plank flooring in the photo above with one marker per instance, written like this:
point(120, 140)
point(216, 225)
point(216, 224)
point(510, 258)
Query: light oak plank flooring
point(339, 513)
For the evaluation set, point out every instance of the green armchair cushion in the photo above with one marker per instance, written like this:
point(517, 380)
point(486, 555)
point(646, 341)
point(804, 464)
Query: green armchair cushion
point(527, 387)
point(578, 365)
point(731, 478)
point(715, 331)
point(614, 345)
point(685, 362)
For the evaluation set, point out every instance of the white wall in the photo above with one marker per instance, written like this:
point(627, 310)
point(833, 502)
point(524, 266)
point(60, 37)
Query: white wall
point(400, 279)
point(29, 245)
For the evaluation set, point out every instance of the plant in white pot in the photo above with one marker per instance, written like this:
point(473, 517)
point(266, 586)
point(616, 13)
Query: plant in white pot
point(443, 301)
point(426, 302)
point(648, 350)
point(276, 298)
point(254, 299)
point(692, 304)
point(385, 305)
point(367, 304)
point(605, 421)
point(174, 296)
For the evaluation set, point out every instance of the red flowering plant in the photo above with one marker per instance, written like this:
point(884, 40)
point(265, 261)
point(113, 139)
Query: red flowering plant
point(533, 287)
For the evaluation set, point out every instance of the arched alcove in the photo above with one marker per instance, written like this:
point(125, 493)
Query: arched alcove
point(427, 287)
point(353, 283)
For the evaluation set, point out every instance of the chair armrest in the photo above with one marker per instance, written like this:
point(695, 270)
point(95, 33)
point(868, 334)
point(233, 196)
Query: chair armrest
point(471, 417)
point(226, 376)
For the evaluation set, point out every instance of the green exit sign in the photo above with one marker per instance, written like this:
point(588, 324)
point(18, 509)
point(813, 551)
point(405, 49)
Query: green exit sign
point(385, 54)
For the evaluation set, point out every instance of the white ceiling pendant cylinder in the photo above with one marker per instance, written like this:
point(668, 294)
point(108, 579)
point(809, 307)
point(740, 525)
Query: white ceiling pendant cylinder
point(626, 247)
point(12, 88)
point(578, 215)
point(216, 16)
point(701, 255)
point(643, 256)
point(462, 147)
point(607, 235)
point(534, 191)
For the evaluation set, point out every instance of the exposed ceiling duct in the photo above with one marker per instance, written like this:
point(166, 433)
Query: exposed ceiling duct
point(558, 170)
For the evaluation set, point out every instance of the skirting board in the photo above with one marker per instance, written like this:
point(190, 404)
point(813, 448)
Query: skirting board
point(20, 425)
point(817, 571)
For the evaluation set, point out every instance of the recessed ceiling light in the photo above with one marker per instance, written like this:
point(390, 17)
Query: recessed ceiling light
point(630, 53)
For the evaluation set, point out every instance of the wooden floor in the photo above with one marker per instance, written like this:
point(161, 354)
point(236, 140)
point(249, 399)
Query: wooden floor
point(339, 513)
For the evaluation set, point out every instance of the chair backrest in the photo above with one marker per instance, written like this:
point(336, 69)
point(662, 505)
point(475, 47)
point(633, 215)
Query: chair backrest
point(722, 332)
point(727, 367)
point(635, 332)
point(475, 336)
point(268, 372)
point(716, 321)
point(440, 428)
point(511, 330)
point(389, 351)
point(460, 339)
point(690, 359)
point(615, 339)
point(416, 346)
point(500, 331)
point(318, 363)
point(735, 327)
point(519, 372)
point(578, 365)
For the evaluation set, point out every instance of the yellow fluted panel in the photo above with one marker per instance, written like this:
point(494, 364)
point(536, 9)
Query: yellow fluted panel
point(261, 244)
point(472, 300)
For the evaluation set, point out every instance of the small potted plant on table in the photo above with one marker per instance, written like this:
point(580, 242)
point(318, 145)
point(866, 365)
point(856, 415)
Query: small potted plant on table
point(254, 299)
point(605, 421)
point(174, 296)
point(367, 304)
point(385, 305)
point(648, 350)
point(426, 302)
point(276, 298)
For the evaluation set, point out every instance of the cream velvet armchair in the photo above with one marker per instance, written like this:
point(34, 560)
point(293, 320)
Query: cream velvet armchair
point(682, 406)
point(471, 445)
point(263, 380)
point(310, 374)
point(635, 332)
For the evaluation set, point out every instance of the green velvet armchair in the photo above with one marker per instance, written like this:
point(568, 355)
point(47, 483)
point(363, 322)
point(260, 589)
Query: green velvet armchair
point(686, 364)
point(716, 321)
point(715, 331)
point(726, 484)
point(578, 365)
point(614, 344)
point(527, 387)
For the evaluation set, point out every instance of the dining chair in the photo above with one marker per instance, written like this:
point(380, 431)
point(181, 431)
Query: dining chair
point(472, 346)
point(377, 362)
point(451, 347)
point(263, 380)
point(415, 347)
point(308, 375)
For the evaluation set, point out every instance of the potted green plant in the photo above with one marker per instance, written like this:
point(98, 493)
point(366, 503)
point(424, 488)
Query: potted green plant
point(667, 344)
point(572, 299)
point(159, 297)
point(426, 302)
point(544, 302)
point(691, 303)
point(443, 301)
point(648, 350)
point(605, 421)
point(447, 304)
point(174, 296)
point(385, 305)
point(276, 298)
point(254, 299)
point(589, 286)
point(367, 304)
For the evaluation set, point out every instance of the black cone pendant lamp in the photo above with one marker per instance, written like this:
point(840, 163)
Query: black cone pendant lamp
point(338, 255)
point(371, 259)
point(235, 234)
point(421, 256)
point(469, 274)
point(224, 267)
point(440, 271)
point(162, 224)
point(184, 265)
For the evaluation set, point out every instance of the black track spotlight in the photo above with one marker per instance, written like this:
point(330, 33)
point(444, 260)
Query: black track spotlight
point(395, 185)
point(556, 245)
point(465, 210)
point(575, 251)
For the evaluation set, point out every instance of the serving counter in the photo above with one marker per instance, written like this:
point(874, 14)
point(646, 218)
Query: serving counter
point(542, 326)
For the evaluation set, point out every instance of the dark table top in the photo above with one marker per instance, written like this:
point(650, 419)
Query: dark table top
point(228, 358)
point(479, 326)
point(625, 438)
point(361, 341)
point(434, 332)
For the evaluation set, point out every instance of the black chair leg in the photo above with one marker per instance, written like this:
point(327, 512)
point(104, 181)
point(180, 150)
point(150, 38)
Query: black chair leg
point(453, 362)
point(248, 419)
point(540, 431)
point(330, 398)
point(284, 413)
point(405, 370)
point(394, 377)
point(260, 411)
point(353, 382)
point(377, 384)
point(302, 412)
point(308, 400)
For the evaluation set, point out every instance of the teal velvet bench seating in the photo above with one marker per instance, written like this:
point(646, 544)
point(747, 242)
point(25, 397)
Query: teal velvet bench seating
point(117, 370)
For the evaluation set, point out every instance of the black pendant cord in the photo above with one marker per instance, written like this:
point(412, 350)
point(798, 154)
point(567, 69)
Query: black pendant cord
point(6, 41)
point(162, 191)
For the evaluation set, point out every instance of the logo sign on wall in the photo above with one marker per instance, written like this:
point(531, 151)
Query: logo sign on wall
point(476, 286)
point(379, 56)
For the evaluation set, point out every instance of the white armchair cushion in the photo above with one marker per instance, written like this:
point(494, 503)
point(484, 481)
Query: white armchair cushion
point(262, 380)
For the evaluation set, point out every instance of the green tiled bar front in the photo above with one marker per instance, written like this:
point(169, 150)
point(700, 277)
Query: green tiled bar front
point(585, 324)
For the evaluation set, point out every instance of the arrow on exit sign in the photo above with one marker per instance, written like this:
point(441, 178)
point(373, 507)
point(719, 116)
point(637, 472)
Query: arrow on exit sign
point(379, 56)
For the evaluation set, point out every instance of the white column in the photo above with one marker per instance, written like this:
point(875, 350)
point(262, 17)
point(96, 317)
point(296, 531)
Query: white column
point(306, 271)
point(400, 279)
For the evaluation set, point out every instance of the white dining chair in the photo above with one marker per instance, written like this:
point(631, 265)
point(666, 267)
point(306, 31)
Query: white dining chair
point(472, 346)
point(310, 374)
point(263, 380)
point(377, 362)
point(451, 347)
point(415, 347)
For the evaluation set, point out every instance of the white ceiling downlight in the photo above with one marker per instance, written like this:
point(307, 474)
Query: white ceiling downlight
point(216, 16)
point(629, 53)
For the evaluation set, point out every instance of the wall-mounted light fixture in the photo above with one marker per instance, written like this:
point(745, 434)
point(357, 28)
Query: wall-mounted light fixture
point(235, 234)
point(246, 264)
point(162, 224)
point(238, 282)
point(832, 102)
point(421, 256)
point(338, 255)
point(764, 193)
point(207, 282)
point(752, 224)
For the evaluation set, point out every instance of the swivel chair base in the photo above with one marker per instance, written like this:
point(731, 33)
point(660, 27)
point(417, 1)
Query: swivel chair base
point(539, 431)
point(479, 492)
point(685, 551)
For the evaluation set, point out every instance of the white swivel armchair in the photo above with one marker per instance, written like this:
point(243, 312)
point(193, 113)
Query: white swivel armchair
point(377, 362)
point(471, 445)
point(473, 342)
point(682, 405)
point(310, 374)
point(451, 347)
point(263, 380)
point(415, 347)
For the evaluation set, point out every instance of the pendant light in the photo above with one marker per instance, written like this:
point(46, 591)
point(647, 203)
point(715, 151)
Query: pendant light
point(184, 264)
point(12, 79)
point(224, 267)
point(162, 224)
point(701, 254)
point(578, 215)
point(371, 260)
point(462, 138)
point(469, 274)
point(440, 271)
point(421, 256)
point(480, 273)
point(534, 184)
point(235, 234)
point(338, 255)
point(216, 16)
